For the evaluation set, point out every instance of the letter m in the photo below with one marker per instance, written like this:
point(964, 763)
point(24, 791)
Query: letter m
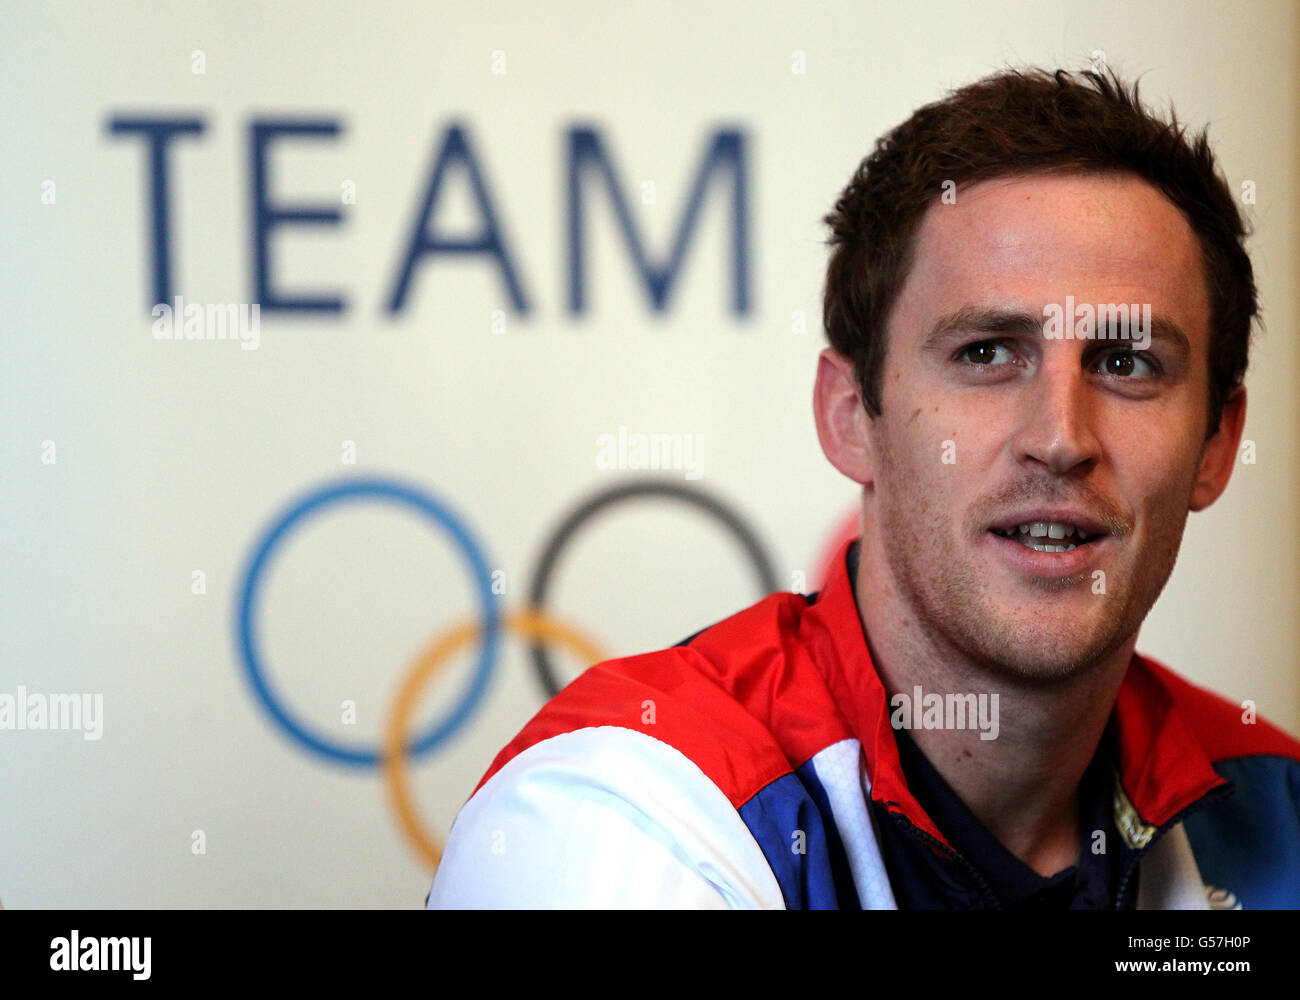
point(65, 711)
point(116, 951)
point(223, 317)
point(725, 154)
point(961, 707)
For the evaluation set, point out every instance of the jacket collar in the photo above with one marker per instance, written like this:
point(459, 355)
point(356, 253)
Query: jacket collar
point(1162, 769)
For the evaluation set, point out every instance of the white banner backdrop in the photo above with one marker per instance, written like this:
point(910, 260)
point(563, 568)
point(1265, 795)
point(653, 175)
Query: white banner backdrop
point(436, 415)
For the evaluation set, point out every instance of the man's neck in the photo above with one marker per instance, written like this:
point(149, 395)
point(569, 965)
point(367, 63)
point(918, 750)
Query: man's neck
point(1023, 785)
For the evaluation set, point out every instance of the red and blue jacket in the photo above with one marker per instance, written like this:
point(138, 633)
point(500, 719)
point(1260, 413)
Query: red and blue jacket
point(747, 768)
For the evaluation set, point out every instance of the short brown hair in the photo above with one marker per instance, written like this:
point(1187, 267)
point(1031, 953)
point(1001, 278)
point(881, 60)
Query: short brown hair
point(1027, 121)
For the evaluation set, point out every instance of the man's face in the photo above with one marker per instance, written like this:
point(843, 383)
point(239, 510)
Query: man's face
point(987, 425)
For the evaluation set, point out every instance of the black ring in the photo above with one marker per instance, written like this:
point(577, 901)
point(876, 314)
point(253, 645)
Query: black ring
point(629, 491)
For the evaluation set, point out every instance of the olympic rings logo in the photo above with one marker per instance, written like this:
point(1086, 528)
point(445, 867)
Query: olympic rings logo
point(532, 622)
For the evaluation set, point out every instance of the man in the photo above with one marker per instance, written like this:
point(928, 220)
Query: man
point(959, 718)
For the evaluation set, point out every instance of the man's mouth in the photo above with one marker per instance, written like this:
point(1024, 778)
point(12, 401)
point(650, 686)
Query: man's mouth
point(1047, 536)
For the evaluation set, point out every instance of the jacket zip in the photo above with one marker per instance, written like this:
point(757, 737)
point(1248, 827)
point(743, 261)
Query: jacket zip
point(980, 884)
point(1132, 865)
point(1215, 793)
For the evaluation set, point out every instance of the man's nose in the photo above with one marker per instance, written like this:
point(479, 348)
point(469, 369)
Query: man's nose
point(1056, 431)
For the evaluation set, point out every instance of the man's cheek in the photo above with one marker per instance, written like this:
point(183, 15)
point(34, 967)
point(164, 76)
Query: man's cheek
point(940, 463)
point(942, 448)
point(914, 454)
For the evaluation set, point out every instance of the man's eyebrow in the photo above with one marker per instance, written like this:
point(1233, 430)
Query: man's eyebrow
point(1164, 328)
point(973, 319)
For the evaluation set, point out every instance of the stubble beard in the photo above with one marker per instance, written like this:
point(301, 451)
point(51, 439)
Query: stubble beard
point(950, 596)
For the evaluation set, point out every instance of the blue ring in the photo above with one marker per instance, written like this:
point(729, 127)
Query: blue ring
point(313, 502)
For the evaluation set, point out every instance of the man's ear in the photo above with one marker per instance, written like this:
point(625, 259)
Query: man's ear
point(843, 425)
point(1220, 454)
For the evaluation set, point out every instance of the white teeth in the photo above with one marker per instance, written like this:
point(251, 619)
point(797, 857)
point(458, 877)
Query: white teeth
point(1055, 530)
point(1050, 529)
point(1043, 547)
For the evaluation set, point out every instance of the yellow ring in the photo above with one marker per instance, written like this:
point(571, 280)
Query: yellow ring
point(526, 622)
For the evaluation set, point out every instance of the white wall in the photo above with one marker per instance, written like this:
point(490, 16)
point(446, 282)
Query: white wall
point(175, 456)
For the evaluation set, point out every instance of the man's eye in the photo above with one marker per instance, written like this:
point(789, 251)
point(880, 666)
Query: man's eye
point(986, 352)
point(1126, 364)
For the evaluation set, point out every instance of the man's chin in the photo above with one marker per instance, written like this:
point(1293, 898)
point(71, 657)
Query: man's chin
point(1039, 653)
